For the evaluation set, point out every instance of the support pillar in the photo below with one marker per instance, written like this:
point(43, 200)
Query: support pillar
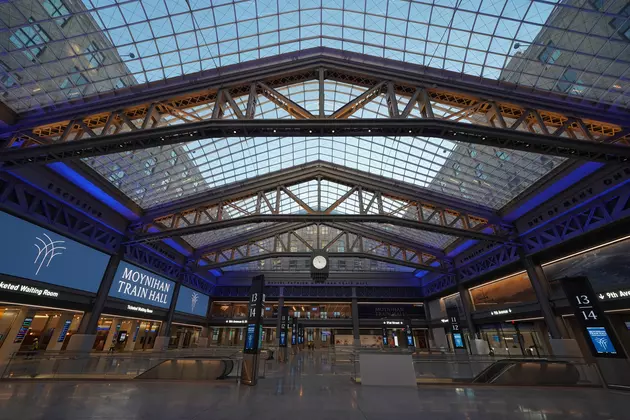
point(561, 345)
point(279, 320)
point(83, 339)
point(355, 319)
point(427, 315)
point(467, 305)
point(164, 335)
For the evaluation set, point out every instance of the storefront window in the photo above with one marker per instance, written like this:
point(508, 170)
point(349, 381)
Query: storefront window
point(513, 290)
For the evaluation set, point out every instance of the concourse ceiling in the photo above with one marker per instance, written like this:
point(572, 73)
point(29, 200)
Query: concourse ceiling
point(106, 51)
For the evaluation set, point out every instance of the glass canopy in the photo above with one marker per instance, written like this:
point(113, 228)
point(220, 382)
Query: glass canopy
point(54, 51)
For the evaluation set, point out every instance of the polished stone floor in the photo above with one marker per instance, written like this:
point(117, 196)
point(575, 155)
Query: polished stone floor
point(307, 388)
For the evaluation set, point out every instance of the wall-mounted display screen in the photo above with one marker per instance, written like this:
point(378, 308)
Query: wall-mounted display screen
point(458, 341)
point(138, 285)
point(32, 252)
point(192, 302)
point(601, 341)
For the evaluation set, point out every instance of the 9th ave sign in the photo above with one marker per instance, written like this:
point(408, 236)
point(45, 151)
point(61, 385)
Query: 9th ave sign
point(619, 294)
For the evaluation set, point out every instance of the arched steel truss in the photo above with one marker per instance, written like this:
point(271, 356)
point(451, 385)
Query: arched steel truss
point(417, 105)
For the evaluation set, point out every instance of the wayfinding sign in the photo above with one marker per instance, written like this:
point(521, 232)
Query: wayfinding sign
point(595, 326)
point(456, 332)
point(254, 315)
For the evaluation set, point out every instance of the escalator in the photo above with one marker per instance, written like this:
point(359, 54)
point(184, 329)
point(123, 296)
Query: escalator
point(529, 372)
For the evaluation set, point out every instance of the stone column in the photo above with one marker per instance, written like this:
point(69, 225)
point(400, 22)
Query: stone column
point(355, 319)
point(561, 345)
point(164, 335)
point(83, 339)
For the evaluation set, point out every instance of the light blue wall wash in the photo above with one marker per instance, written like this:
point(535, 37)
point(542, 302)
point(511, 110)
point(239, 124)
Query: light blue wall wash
point(192, 302)
point(138, 285)
point(32, 252)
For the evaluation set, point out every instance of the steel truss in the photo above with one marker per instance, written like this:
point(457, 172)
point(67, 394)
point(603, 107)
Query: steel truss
point(29, 202)
point(356, 245)
point(431, 107)
point(366, 199)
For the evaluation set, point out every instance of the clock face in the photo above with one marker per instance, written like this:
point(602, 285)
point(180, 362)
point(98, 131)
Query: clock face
point(319, 262)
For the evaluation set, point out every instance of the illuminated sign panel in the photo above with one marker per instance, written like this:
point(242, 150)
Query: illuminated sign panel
point(192, 302)
point(137, 285)
point(32, 252)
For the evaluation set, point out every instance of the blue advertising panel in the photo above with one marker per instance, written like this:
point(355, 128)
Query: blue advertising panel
point(192, 302)
point(35, 253)
point(142, 286)
point(601, 341)
point(459, 343)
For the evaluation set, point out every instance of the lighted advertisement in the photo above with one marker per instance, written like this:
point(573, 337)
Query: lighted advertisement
point(601, 341)
point(137, 285)
point(192, 302)
point(32, 252)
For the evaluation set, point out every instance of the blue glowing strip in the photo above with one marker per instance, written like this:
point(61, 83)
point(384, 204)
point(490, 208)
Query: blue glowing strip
point(170, 242)
point(89, 187)
point(421, 273)
point(557, 187)
point(463, 247)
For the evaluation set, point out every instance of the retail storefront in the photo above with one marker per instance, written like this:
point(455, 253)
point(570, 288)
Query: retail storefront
point(47, 282)
point(384, 325)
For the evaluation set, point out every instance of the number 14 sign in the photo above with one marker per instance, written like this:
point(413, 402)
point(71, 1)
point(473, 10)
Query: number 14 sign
point(595, 326)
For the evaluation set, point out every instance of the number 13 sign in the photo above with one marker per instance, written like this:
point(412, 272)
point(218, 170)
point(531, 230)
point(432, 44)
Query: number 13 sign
point(595, 327)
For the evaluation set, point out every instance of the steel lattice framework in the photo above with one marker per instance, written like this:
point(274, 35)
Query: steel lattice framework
point(415, 107)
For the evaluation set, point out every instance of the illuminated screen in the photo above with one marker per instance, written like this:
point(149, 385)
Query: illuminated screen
point(457, 339)
point(601, 340)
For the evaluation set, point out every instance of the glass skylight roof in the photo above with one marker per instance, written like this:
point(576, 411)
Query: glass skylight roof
point(56, 54)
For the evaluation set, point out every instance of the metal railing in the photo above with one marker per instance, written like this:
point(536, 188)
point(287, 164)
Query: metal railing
point(463, 368)
point(98, 365)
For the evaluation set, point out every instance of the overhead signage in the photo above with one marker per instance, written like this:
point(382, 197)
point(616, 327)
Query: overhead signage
point(138, 285)
point(619, 294)
point(254, 315)
point(599, 335)
point(380, 311)
point(501, 312)
point(35, 253)
point(192, 302)
point(140, 309)
point(236, 321)
point(64, 331)
point(284, 327)
point(28, 290)
point(456, 333)
point(26, 324)
point(393, 323)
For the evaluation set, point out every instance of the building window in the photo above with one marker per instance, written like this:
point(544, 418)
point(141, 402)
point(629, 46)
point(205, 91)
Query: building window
point(456, 168)
point(120, 84)
point(569, 83)
point(479, 171)
point(472, 152)
point(7, 79)
point(94, 57)
point(324, 230)
point(149, 165)
point(550, 54)
point(56, 8)
point(341, 264)
point(32, 38)
point(116, 176)
point(357, 264)
point(597, 4)
point(75, 79)
point(173, 159)
point(622, 24)
point(293, 265)
point(502, 155)
point(341, 246)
